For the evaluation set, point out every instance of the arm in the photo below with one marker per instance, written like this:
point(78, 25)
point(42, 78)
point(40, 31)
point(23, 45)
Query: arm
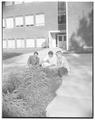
point(37, 61)
point(28, 62)
point(45, 62)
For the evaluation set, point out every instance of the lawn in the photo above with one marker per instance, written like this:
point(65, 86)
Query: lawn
point(27, 93)
point(7, 55)
point(14, 53)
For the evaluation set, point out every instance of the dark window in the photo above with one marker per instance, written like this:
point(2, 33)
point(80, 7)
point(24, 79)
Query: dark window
point(60, 38)
point(61, 19)
point(64, 38)
point(61, 6)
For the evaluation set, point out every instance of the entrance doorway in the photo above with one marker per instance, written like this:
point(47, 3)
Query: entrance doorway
point(57, 39)
point(61, 41)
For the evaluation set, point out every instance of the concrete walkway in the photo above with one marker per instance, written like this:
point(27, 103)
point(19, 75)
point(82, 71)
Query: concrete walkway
point(74, 96)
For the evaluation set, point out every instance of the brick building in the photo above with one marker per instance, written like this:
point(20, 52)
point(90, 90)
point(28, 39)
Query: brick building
point(34, 25)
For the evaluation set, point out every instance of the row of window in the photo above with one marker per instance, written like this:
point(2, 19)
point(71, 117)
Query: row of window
point(29, 20)
point(21, 43)
point(14, 3)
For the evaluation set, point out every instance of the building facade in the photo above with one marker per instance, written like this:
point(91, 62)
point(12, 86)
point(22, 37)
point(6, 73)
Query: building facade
point(28, 25)
point(34, 25)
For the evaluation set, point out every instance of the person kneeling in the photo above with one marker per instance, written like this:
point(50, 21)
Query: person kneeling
point(33, 60)
point(49, 60)
point(62, 64)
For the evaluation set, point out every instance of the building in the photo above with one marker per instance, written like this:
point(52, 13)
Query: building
point(29, 25)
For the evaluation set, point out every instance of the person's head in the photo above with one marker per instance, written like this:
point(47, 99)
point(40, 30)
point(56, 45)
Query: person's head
point(59, 54)
point(36, 53)
point(50, 54)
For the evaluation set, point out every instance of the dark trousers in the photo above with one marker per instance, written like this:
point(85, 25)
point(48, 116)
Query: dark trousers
point(56, 72)
point(62, 71)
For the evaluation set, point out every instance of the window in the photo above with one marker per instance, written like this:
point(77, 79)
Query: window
point(9, 23)
point(64, 38)
point(27, 1)
point(61, 19)
point(29, 20)
point(30, 43)
point(4, 44)
point(20, 43)
point(8, 3)
point(18, 3)
point(40, 20)
point(40, 42)
point(60, 38)
point(19, 21)
point(61, 6)
point(11, 43)
point(4, 23)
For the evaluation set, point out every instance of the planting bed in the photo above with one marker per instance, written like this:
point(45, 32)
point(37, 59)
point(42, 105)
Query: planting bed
point(27, 93)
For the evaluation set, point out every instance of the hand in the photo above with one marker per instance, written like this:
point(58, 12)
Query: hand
point(69, 71)
point(47, 61)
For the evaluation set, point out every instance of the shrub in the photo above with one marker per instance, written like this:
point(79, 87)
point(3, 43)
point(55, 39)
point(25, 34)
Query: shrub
point(29, 93)
point(13, 82)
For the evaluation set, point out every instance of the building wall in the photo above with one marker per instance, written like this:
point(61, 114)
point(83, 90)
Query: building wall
point(50, 9)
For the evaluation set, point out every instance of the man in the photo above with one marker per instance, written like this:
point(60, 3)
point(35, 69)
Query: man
point(62, 64)
point(50, 60)
point(33, 60)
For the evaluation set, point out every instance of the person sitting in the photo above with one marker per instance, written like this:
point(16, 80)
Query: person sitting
point(62, 64)
point(49, 60)
point(33, 59)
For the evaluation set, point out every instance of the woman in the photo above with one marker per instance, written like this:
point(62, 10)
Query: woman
point(50, 60)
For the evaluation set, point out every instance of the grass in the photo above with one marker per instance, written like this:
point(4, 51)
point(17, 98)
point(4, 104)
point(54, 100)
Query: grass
point(7, 55)
point(16, 52)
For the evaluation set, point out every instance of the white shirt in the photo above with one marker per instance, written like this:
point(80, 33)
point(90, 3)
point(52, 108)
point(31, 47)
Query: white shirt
point(63, 63)
point(50, 60)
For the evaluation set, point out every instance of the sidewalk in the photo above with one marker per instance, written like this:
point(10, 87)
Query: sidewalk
point(74, 96)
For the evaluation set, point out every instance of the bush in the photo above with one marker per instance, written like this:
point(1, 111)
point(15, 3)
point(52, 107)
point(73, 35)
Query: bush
point(13, 82)
point(29, 94)
point(45, 44)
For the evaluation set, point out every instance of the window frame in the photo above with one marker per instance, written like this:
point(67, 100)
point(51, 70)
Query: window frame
point(3, 44)
point(62, 19)
point(40, 42)
point(13, 45)
point(33, 46)
point(4, 23)
point(8, 4)
point(20, 47)
point(32, 19)
point(18, 3)
point(39, 24)
point(10, 23)
point(19, 25)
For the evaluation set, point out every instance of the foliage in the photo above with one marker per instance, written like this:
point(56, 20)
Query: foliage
point(45, 44)
point(28, 94)
point(82, 39)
